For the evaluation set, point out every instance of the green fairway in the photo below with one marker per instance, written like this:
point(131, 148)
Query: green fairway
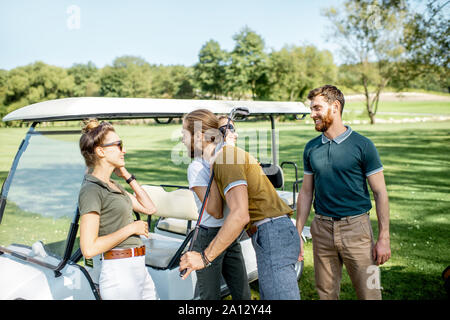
point(416, 159)
point(413, 107)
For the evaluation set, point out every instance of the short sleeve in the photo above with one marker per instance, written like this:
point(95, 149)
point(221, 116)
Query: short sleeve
point(89, 200)
point(306, 162)
point(197, 175)
point(371, 160)
point(229, 173)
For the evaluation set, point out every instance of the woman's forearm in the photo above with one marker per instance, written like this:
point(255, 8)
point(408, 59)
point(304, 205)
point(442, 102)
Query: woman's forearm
point(98, 245)
point(148, 207)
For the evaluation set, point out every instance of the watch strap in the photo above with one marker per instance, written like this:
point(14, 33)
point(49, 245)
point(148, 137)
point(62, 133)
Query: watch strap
point(131, 179)
point(206, 262)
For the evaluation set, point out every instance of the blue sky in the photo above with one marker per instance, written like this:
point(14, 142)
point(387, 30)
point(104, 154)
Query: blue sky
point(161, 32)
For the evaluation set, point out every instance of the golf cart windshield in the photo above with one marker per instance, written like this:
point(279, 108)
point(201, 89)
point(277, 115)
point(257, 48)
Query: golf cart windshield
point(41, 195)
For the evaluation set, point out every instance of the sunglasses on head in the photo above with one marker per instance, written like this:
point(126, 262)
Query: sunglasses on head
point(115, 143)
point(223, 128)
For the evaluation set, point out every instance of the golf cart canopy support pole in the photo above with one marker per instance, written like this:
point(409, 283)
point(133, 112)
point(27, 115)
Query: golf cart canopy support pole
point(274, 150)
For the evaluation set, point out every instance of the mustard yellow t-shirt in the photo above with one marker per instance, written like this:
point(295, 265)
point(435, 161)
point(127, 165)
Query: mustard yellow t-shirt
point(234, 166)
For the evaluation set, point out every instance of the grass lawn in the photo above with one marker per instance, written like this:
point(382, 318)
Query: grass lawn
point(416, 159)
point(425, 107)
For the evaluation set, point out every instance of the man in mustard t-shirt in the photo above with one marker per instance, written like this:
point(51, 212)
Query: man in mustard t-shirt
point(254, 203)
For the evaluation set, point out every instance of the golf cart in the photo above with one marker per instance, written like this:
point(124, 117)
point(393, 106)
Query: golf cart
point(39, 245)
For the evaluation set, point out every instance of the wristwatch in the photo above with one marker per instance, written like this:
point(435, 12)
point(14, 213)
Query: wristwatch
point(206, 262)
point(131, 179)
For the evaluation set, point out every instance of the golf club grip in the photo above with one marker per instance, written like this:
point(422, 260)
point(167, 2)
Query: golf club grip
point(191, 245)
point(182, 273)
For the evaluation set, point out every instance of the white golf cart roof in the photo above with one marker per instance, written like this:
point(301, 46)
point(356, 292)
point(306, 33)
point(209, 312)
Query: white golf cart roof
point(126, 108)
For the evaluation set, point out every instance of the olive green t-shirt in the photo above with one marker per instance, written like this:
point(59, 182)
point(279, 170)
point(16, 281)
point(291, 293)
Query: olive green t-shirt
point(234, 166)
point(115, 208)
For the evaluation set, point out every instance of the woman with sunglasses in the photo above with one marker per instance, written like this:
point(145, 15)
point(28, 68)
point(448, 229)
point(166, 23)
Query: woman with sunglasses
point(230, 264)
point(106, 209)
point(230, 134)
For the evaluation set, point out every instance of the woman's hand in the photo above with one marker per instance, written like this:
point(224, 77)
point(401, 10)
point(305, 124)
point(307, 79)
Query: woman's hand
point(140, 228)
point(122, 172)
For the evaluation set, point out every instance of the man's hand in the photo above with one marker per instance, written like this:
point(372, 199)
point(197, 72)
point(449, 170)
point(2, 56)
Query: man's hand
point(381, 252)
point(302, 251)
point(191, 261)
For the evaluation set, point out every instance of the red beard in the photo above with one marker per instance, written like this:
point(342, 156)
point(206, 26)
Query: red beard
point(326, 122)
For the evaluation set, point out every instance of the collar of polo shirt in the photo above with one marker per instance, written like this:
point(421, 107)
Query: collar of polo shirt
point(339, 138)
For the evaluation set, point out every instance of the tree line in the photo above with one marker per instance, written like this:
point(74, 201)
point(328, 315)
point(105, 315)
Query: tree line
point(377, 57)
point(248, 72)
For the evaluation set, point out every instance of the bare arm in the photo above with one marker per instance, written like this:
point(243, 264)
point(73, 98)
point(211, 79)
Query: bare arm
point(91, 244)
point(214, 203)
point(382, 251)
point(304, 201)
point(141, 202)
point(238, 218)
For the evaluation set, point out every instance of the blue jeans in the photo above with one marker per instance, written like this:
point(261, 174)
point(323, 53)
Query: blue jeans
point(277, 247)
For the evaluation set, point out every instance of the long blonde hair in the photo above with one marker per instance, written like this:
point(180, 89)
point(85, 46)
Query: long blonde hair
point(208, 122)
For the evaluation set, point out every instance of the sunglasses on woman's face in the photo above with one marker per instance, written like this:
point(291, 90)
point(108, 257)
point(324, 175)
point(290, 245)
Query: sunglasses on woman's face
point(223, 128)
point(115, 143)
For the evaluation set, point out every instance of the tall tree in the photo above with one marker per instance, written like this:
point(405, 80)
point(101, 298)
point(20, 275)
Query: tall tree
point(86, 78)
point(127, 77)
point(35, 83)
point(210, 69)
point(172, 82)
point(248, 65)
point(427, 40)
point(369, 34)
point(296, 70)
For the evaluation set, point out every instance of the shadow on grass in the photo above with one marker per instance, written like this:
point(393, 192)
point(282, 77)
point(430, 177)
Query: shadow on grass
point(156, 167)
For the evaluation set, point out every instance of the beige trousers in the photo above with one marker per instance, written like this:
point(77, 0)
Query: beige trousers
point(348, 242)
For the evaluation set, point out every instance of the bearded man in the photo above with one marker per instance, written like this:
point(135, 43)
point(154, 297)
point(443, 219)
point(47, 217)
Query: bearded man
point(336, 166)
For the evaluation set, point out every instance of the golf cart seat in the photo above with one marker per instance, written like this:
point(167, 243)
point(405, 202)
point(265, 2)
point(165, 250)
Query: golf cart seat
point(178, 204)
point(288, 197)
point(160, 249)
point(275, 175)
point(176, 209)
point(175, 226)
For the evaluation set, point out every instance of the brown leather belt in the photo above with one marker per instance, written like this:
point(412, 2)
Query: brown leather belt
point(124, 253)
point(252, 230)
point(347, 218)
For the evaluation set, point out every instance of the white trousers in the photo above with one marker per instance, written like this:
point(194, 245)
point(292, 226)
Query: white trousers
point(126, 279)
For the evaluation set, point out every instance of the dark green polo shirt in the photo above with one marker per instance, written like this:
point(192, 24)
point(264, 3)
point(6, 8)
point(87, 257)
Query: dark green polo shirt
point(115, 208)
point(340, 168)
